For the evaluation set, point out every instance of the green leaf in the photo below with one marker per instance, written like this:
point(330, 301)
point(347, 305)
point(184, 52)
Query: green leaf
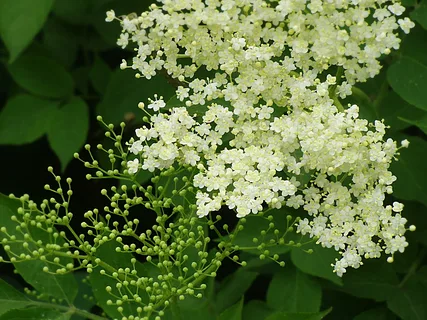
point(62, 287)
point(375, 314)
point(35, 313)
point(25, 119)
point(414, 45)
point(10, 298)
point(317, 263)
point(256, 310)
point(233, 288)
point(124, 92)
point(73, 12)
point(68, 132)
point(408, 3)
point(300, 315)
point(368, 282)
point(20, 21)
point(83, 300)
point(191, 308)
point(408, 78)
point(409, 302)
point(59, 38)
point(293, 291)
point(233, 313)
point(42, 76)
point(420, 14)
point(393, 109)
point(81, 79)
point(100, 75)
point(421, 122)
point(411, 171)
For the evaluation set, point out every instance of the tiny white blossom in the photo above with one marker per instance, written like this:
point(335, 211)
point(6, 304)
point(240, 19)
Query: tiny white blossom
point(111, 15)
point(133, 166)
point(157, 105)
point(404, 143)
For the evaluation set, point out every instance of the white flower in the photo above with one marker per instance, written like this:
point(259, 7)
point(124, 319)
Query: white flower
point(397, 207)
point(406, 24)
point(133, 166)
point(396, 9)
point(156, 105)
point(404, 143)
point(111, 15)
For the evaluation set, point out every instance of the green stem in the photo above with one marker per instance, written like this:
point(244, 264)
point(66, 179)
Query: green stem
point(71, 309)
point(381, 95)
point(333, 89)
point(361, 96)
point(338, 104)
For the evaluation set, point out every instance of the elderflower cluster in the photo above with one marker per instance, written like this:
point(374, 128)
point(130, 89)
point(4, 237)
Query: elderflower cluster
point(272, 131)
point(262, 43)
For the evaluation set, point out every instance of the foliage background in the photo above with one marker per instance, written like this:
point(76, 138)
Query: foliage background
point(59, 69)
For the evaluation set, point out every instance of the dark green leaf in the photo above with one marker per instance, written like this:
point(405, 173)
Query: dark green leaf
point(62, 287)
point(20, 21)
point(317, 263)
point(124, 92)
point(408, 3)
point(233, 313)
point(409, 301)
point(411, 170)
point(25, 119)
point(299, 316)
point(293, 291)
point(414, 45)
point(408, 78)
point(84, 300)
point(35, 313)
point(420, 122)
point(68, 132)
point(420, 14)
point(368, 282)
point(256, 310)
point(93, 41)
point(10, 298)
point(81, 79)
point(393, 109)
point(100, 75)
point(74, 12)
point(233, 288)
point(60, 41)
point(375, 314)
point(42, 76)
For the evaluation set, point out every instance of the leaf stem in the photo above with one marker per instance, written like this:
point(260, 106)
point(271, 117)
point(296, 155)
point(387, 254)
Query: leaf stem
point(381, 95)
point(71, 309)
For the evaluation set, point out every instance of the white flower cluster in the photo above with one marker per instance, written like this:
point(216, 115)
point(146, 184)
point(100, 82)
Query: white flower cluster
point(274, 132)
point(264, 44)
